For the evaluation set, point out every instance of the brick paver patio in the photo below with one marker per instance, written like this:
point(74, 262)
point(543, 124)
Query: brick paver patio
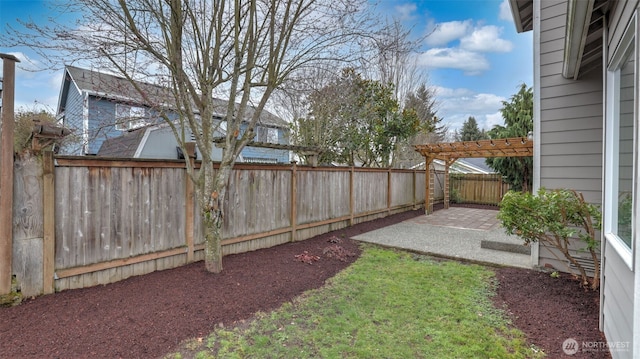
point(459, 217)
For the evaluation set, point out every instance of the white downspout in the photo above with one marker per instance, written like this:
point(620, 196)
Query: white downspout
point(603, 240)
point(535, 247)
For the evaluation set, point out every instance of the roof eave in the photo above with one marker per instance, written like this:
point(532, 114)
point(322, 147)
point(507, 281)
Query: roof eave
point(578, 20)
point(513, 4)
point(522, 12)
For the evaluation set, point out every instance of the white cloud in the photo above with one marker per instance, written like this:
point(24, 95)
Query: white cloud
point(472, 63)
point(406, 11)
point(456, 105)
point(446, 92)
point(494, 119)
point(481, 103)
point(486, 39)
point(505, 11)
point(445, 32)
point(461, 44)
point(55, 81)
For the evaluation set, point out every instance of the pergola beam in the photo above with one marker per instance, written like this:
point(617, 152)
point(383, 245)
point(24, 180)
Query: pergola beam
point(504, 147)
point(449, 152)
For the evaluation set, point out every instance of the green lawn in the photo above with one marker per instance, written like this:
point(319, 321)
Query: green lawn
point(388, 304)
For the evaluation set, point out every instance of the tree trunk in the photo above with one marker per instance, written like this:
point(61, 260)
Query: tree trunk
point(212, 212)
point(212, 242)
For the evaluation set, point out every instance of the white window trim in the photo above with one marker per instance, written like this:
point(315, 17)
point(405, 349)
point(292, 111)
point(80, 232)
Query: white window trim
point(629, 38)
point(136, 119)
point(267, 134)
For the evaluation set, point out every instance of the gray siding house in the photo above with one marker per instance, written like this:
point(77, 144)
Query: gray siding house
point(153, 141)
point(102, 109)
point(586, 131)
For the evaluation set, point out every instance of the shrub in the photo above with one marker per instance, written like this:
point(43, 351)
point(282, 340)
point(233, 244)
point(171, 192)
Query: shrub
point(24, 122)
point(555, 217)
point(454, 196)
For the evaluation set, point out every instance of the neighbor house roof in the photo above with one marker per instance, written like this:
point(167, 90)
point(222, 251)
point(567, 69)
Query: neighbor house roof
point(479, 164)
point(118, 88)
point(124, 146)
point(461, 165)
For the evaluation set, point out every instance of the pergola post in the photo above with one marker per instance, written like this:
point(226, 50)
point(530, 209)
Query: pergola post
point(429, 186)
point(446, 184)
point(6, 171)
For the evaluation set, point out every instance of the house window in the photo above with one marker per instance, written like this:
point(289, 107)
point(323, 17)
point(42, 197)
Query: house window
point(621, 146)
point(267, 135)
point(130, 117)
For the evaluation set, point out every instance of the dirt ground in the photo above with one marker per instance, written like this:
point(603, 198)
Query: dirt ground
point(148, 316)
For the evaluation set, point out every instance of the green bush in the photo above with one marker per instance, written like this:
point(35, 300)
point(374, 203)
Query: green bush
point(555, 217)
point(454, 196)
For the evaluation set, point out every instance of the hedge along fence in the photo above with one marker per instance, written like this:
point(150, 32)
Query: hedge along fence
point(94, 221)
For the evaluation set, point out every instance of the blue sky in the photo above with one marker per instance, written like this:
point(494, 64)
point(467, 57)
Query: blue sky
point(473, 56)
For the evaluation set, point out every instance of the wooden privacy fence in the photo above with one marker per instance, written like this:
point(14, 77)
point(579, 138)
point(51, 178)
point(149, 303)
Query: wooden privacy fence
point(478, 188)
point(85, 221)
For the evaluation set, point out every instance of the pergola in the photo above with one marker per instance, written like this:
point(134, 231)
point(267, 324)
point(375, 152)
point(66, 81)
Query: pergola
point(449, 152)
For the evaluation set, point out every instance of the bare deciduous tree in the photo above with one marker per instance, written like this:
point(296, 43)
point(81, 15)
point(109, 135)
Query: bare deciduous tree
point(395, 63)
point(200, 49)
point(394, 59)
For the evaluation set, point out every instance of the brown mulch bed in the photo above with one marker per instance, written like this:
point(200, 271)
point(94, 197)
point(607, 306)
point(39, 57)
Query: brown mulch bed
point(148, 316)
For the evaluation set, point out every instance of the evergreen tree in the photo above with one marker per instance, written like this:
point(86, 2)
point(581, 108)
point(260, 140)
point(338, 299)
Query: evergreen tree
point(518, 119)
point(422, 101)
point(470, 131)
point(430, 127)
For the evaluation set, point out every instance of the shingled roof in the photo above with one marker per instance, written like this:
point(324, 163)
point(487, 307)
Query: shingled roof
point(124, 146)
point(118, 88)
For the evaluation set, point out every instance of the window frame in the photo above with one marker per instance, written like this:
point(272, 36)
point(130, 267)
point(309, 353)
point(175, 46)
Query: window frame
point(628, 46)
point(266, 134)
point(131, 122)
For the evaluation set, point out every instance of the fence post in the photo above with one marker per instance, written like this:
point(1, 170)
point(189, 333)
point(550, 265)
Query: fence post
point(415, 189)
point(351, 209)
point(6, 171)
point(294, 199)
point(49, 220)
point(189, 203)
point(389, 191)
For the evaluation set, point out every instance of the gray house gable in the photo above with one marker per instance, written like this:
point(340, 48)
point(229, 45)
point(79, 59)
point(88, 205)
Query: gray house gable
point(91, 103)
point(156, 141)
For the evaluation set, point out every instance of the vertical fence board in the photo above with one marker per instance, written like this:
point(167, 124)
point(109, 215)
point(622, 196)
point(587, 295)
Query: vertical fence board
point(116, 229)
point(105, 197)
point(62, 218)
point(402, 188)
point(29, 255)
point(370, 191)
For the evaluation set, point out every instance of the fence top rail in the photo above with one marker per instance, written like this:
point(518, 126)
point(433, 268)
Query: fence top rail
point(477, 175)
point(84, 161)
